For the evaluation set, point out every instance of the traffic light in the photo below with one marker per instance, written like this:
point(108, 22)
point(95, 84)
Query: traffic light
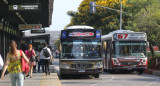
point(92, 7)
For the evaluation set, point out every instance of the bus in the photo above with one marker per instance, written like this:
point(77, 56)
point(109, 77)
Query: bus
point(80, 51)
point(124, 50)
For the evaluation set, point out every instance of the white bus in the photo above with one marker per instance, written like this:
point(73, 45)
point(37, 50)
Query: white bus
point(80, 51)
point(124, 50)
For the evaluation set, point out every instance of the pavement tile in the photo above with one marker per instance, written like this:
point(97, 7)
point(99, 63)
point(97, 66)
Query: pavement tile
point(38, 79)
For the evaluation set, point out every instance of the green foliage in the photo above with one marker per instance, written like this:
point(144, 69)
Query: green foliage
point(146, 18)
point(152, 61)
point(57, 42)
point(103, 19)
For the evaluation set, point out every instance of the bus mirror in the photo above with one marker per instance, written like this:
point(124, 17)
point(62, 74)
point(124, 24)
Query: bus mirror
point(147, 44)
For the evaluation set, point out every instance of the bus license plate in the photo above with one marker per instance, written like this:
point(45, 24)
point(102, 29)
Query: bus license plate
point(81, 70)
point(129, 68)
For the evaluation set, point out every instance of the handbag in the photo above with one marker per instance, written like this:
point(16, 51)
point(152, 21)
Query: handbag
point(33, 58)
point(25, 66)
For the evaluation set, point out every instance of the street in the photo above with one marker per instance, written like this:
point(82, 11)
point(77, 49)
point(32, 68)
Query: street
point(107, 79)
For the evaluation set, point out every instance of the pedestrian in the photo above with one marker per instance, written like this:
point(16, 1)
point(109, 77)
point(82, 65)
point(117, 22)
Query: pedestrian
point(14, 65)
point(40, 62)
point(30, 53)
point(1, 64)
point(34, 67)
point(47, 56)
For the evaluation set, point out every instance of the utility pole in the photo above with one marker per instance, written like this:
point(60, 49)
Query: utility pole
point(121, 16)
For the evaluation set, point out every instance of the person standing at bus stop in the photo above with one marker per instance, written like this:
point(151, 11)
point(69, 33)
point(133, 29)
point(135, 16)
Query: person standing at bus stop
point(29, 53)
point(47, 56)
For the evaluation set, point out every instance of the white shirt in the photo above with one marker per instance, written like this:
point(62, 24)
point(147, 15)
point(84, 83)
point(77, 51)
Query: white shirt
point(42, 56)
point(1, 62)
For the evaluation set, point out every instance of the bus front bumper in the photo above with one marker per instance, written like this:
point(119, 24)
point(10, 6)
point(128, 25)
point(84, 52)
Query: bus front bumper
point(86, 71)
point(133, 68)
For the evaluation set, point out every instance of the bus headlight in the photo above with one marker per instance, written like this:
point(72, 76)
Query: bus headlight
point(115, 61)
point(143, 62)
point(64, 65)
point(98, 65)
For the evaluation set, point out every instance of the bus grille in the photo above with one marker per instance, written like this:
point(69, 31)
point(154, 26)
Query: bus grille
point(81, 66)
point(129, 63)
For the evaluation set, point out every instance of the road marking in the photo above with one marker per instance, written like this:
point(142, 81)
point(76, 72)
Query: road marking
point(112, 78)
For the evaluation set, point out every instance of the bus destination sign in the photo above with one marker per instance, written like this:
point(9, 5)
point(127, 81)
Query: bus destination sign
point(81, 34)
point(132, 36)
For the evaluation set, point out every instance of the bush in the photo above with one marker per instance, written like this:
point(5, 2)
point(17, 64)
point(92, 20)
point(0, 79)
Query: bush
point(152, 61)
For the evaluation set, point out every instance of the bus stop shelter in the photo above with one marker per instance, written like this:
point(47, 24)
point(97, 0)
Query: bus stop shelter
point(14, 13)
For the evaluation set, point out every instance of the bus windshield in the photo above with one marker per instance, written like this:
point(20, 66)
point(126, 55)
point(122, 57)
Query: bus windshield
point(79, 49)
point(129, 49)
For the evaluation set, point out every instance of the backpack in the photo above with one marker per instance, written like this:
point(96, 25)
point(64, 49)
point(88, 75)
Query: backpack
point(46, 53)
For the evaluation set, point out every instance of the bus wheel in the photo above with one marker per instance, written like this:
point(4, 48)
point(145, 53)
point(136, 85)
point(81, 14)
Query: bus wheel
point(140, 72)
point(105, 70)
point(112, 71)
point(96, 75)
point(62, 76)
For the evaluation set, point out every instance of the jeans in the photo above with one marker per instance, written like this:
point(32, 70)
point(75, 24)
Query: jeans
point(40, 63)
point(46, 63)
point(17, 79)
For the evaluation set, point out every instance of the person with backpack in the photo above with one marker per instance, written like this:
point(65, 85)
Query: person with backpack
point(30, 53)
point(47, 56)
point(40, 62)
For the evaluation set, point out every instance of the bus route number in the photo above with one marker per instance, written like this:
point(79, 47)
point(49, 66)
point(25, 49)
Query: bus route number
point(122, 36)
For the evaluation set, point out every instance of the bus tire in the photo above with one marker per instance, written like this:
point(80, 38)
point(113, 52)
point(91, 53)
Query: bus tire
point(112, 71)
point(96, 75)
point(140, 72)
point(62, 76)
point(105, 70)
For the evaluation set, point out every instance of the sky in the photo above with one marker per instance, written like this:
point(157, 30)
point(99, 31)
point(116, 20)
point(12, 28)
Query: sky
point(60, 18)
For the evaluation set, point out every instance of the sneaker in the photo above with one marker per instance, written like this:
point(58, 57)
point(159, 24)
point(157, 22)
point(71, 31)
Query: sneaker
point(49, 73)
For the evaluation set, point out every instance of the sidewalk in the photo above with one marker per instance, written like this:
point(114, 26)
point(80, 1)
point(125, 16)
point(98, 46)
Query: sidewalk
point(38, 79)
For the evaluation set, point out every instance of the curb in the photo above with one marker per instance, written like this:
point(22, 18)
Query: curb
point(154, 72)
point(149, 71)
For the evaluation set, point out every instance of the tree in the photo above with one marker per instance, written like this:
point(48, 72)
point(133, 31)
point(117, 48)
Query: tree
point(103, 19)
point(146, 18)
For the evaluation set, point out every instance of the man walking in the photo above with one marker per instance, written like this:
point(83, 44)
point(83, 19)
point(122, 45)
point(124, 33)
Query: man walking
point(47, 56)
point(40, 62)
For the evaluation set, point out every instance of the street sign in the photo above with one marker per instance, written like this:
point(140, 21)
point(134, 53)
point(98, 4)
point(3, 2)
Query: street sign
point(38, 31)
point(23, 7)
point(30, 26)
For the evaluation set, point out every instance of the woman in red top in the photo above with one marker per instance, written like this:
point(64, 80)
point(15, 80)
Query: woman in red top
point(29, 54)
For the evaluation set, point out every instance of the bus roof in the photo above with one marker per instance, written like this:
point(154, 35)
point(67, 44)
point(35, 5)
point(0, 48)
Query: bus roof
point(80, 27)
